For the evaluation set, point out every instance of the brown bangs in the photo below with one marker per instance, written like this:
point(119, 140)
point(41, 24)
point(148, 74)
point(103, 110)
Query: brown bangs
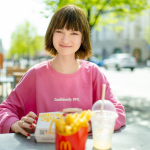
point(70, 19)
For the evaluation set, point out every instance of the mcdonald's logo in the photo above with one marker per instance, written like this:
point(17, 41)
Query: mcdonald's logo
point(65, 145)
point(53, 121)
point(108, 130)
point(99, 130)
point(50, 128)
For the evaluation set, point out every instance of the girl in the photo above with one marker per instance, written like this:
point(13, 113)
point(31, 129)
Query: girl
point(66, 83)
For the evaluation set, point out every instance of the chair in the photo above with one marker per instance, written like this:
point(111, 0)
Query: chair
point(17, 77)
point(17, 73)
point(11, 70)
point(0, 90)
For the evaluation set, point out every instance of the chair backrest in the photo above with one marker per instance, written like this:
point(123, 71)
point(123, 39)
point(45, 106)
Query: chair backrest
point(16, 72)
point(17, 77)
point(11, 70)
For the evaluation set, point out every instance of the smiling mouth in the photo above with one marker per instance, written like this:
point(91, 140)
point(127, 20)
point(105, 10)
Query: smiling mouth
point(65, 46)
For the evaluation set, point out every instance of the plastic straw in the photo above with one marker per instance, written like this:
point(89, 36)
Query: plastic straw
point(103, 97)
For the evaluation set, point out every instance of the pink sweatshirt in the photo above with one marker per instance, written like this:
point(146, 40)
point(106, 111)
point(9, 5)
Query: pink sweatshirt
point(43, 89)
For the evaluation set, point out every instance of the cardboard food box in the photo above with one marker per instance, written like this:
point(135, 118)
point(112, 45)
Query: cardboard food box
point(45, 129)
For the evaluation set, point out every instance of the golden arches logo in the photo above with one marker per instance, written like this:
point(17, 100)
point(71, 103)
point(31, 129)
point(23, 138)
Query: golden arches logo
point(64, 145)
point(50, 128)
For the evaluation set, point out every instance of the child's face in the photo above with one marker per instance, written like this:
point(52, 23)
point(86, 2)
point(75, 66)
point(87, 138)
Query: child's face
point(67, 42)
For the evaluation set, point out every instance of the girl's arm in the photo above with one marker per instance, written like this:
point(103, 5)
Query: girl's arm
point(98, 80)
point(18, 103)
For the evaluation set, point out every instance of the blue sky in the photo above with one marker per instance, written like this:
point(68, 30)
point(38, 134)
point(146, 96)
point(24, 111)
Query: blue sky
point(15, 12)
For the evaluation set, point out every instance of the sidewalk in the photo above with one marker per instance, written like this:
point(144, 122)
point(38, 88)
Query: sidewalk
point(141, 65)
point(137, 110)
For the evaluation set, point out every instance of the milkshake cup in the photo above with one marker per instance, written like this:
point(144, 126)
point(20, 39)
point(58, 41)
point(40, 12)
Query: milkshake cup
point(103, 128)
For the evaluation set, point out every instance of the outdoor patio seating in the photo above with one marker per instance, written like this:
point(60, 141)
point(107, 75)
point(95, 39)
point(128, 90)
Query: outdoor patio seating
point(17, 73)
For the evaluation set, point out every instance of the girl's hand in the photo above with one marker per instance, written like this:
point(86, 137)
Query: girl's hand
point(26, 124)
point(76, 110)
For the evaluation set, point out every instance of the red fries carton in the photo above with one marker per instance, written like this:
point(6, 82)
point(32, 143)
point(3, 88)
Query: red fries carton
point(72, 142)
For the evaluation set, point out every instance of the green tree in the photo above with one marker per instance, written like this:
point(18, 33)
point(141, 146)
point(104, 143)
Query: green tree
point(96, 10)
point(25, 41)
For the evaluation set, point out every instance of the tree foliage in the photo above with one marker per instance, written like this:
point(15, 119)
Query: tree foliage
point(25, 41)
point(96, 10)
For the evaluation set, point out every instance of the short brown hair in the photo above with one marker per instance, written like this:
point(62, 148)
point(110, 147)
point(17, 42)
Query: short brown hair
point(72, 17)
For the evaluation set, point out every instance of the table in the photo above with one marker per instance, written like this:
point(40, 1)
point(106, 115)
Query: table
point(130, 137)
point(5, 79)
point(2, 72)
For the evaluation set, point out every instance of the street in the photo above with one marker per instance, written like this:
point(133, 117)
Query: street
point(132, 89)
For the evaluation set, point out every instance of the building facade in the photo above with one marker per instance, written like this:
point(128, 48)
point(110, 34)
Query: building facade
point(131, 39)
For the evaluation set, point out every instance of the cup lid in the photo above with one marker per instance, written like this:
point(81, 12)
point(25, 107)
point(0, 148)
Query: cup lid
point(109, 106)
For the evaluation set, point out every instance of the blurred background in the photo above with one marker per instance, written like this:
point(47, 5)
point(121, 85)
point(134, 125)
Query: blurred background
point(120, 38)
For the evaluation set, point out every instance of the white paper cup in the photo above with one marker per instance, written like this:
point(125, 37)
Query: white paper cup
point(103, 128)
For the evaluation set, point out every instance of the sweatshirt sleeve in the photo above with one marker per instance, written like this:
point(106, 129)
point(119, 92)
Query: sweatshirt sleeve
point(98, 80)
point(19, 102)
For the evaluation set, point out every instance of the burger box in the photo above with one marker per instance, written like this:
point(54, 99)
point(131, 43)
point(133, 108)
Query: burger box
point(45, 129)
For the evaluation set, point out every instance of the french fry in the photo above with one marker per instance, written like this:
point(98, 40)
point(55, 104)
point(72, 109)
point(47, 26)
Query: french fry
point(72, 123)
point(83, 113)
point(69, 119)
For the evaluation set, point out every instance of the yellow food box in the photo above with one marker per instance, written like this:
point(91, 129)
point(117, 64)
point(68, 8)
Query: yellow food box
point(45, 129)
